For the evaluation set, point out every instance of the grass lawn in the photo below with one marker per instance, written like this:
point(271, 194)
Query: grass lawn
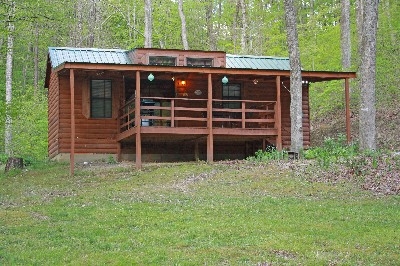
point(192, 214)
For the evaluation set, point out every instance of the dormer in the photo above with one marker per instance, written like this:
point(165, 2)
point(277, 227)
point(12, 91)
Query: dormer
point(173, 57)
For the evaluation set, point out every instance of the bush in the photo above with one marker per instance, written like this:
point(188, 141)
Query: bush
point(332, 151)
point(270, 154)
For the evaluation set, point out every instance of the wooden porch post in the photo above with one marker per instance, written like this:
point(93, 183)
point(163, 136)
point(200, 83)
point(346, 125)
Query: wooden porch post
point(138, 123)
point(347, 99)
point(210, 137)
point(278, 114)
point(72, 146)
point(196, 150)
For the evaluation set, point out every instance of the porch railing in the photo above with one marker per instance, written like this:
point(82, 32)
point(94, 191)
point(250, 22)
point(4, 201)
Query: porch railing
point(184, 112)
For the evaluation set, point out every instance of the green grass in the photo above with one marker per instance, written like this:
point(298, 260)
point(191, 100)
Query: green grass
point(192, 214)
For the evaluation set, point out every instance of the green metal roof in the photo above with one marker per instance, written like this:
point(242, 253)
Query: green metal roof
point(60, 55)
point(257, 62)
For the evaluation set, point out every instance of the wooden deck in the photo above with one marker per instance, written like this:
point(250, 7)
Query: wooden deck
point(183, 116)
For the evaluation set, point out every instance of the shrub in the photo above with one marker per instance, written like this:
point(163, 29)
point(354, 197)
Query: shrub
point(270, 154)
point(332, 151)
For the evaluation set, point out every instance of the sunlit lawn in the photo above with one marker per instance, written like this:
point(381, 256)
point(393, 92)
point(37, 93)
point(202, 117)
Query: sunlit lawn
point(192, 214)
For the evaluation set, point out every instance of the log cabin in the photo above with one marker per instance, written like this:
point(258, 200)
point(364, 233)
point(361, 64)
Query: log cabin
point(151, 104)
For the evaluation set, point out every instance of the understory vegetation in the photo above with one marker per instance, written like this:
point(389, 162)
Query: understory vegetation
point(334, 160)
point(229, 213)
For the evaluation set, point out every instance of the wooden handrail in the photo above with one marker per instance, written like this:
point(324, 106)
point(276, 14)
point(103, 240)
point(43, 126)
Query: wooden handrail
point(251, 114)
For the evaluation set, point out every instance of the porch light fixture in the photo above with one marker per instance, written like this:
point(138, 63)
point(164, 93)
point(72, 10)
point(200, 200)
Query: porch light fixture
point(182, 83)
point(255, 81)
point(150, 77)
point(225, 80)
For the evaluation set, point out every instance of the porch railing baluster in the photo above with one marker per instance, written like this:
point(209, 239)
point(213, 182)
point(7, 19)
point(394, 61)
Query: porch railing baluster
point(250, 115)
point(172, 113)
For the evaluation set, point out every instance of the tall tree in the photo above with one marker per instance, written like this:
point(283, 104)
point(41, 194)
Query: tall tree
point(359, 22)
point(9, 71)
point(211, 36)
point(93, 21)
point(183, 22)
point(345, 35)
point(296, 112)
point(369, 26)
point(243, 39)
point(148, 24)
point(77, 29)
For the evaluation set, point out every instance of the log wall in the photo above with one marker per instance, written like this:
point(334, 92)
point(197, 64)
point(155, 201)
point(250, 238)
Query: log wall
point(92, 135)
point(53, 115)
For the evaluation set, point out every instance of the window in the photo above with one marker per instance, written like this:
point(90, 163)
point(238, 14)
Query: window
point(100, 99)
point(231, 92)
point(162, 60)
point(199, 62)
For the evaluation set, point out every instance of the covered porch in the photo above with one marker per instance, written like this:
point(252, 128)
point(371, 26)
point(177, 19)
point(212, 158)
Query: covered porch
point(195, 112)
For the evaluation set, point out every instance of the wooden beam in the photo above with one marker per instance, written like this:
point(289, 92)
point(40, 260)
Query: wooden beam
point(278, 114)
point(210, 137)
point(72, 145)
point(347, 99)
point(172, 113)
point(138, 123)
point(323, 75)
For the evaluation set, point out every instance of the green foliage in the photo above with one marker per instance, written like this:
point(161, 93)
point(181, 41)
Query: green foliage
point(29, 114)
point(332, 151)
point(270, 154)
point(111, 160)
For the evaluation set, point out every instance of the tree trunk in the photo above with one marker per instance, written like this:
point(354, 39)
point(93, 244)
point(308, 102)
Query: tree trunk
point(235, 26)
point(36, 59)
point(359, 23)
point(296, 113)
point(148, 21)
point(210, 27)
point(345, 35)
point(9, 70)
point(367, 76)
point(244, 27)
point(92, 22)
point(183, 22)
point(14, 163)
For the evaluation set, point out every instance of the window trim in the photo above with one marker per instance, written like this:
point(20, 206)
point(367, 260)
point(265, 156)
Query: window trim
point(161, 58)
point(199, 59)
point(106, 100)
point(227, 97)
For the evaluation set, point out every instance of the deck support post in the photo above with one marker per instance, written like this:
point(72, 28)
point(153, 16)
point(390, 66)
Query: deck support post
point(138, 123)
point(347, 99)
point(278, 114)
point(210, 136)
point(196, 150)
point(118, 151)
point(72, 146)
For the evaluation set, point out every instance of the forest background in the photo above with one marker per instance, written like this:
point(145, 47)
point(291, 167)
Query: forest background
point(253, 27)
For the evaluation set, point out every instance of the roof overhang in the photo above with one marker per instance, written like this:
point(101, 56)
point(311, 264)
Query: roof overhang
point(310, 76)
